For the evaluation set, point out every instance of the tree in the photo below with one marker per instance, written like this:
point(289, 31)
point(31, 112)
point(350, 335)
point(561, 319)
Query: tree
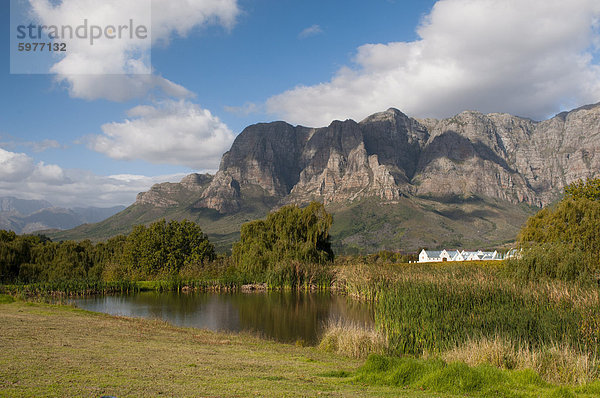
point(564, 241)
point(164, 248)
point(289, 234)
point(590, 189)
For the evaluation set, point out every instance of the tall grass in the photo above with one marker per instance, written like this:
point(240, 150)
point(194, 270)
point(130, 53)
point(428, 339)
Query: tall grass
point(352, 339)
point(298, 275)
point(461, 379)
point(435, 311)
point(555, 363)
point(479, 313)
point(418, 317)
point(69, 288)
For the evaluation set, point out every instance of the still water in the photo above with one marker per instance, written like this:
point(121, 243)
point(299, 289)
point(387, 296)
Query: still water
point(283, 316)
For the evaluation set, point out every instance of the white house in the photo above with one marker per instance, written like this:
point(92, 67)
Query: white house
point(432, 256)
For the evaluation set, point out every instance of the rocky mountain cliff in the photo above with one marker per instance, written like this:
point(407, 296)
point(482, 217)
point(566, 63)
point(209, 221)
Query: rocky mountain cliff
point(391, 181)
point(390, 155)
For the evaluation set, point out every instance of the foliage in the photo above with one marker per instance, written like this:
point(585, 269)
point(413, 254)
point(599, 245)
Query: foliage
point(289, 234)
point(164, 248)
point(563, 242)
point(590, 189)
point(294, 274)
point(553, 261)
point(161, 249)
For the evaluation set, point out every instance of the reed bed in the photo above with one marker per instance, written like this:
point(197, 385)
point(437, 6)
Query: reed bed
point(69, 288)
point(418, 317)
point(478, 313)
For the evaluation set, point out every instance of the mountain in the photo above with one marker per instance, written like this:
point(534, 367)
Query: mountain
point(28, 216)
point(13, 205)
point(391, 181)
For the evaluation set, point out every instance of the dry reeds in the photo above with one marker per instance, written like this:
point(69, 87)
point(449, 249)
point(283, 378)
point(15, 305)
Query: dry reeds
point(352, 339)
point(555, 363)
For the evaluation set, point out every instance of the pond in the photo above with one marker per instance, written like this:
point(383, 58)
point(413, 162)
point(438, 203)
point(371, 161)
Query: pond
point(283, 316)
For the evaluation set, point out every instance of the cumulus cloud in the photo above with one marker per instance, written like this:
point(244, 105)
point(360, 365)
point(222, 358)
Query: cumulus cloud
point(310, 31)
point(169, 132)
point(15, 166)
point(22, 177)
point(121, 70)
point(179, 17)
point(531, 58)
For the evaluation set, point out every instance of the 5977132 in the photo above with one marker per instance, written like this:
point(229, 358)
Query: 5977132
point(50, 47)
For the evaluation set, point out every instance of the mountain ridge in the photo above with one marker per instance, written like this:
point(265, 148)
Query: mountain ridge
point(28, 216)
point(389, 154)
point(453, 174)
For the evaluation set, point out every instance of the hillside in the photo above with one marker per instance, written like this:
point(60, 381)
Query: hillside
point(391, 181)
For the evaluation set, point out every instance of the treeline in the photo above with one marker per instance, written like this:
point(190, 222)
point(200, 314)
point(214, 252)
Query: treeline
point(291, 247)
point(159, 249)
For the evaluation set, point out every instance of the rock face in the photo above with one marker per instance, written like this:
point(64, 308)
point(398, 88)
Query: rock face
point(172, 194)
point(389, 155)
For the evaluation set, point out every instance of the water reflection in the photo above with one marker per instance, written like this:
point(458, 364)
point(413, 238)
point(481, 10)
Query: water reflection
point(283, 316)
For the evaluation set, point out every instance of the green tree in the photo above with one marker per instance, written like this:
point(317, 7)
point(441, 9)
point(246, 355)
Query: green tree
point(590, 189)
point(16, 250)
point(564, 241)
point(164, 248)
point(289, 234)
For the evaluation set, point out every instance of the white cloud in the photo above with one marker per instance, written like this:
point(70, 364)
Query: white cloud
point(22, 177)
point(179, 17)
point(531, 58)
point(310, 31)
point(120, 70)
point(170, 132)
point(15, 166)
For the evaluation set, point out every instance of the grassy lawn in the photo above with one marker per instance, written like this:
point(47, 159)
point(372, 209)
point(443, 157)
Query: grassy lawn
point(50, 350)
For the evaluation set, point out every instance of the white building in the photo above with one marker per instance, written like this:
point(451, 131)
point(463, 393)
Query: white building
point(432, 256)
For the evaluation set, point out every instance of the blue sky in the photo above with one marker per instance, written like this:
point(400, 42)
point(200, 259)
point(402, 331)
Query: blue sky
point(76, 141)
